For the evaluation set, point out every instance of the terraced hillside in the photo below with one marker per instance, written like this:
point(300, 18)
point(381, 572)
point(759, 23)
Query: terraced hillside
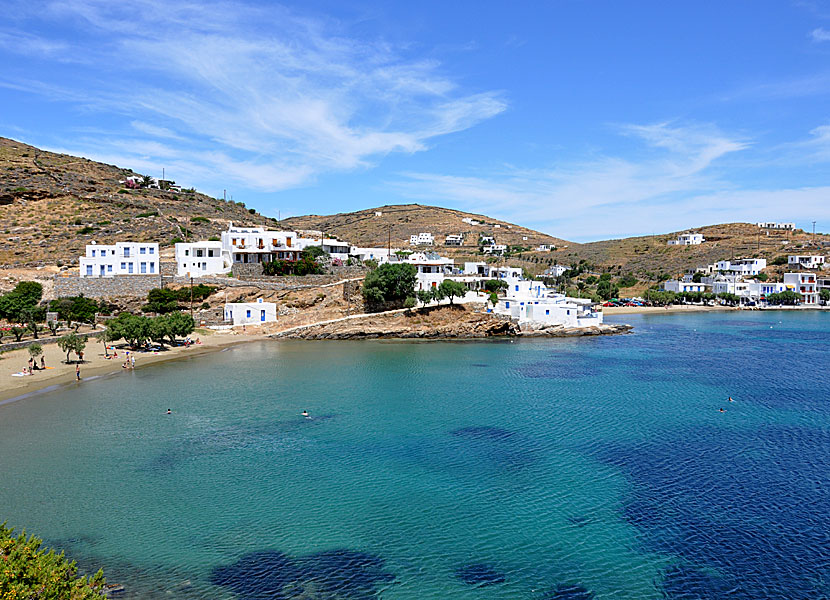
point(52, 205)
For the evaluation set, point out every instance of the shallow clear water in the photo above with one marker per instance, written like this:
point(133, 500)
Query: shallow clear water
point(530, 469)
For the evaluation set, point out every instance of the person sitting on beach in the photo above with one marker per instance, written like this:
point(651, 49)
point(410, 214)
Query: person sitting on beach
point(42, 363)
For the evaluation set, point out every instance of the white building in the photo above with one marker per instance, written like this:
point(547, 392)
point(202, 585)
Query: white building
point(804, 284)
point(381, 255)
point(199, 259)
point(470, 221)
point(680, 286)
point(250, 313)
point(432, 268)
point(806, 262)
point(742, 266)
point(544, 247)
point(731, 284)
point(556, 271)
point(454, 239)
point(422, 239)
point(494, 249)
point(332, 247)
point(774, 225)
point(533, 302)
point(687, 239)
point(258, 245)
point(121, 258)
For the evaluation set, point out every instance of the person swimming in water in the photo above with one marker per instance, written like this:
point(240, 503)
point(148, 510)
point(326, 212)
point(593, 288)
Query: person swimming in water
point(169, 412)
point(305, 413)
point(730, 399)
point(721, 410)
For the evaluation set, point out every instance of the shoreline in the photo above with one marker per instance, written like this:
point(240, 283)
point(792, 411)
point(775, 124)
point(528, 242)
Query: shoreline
point(95, 365)
point(661, 310)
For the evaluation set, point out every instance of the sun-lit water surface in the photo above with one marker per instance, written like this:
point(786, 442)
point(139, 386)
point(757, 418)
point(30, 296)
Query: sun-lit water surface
point(538, 469)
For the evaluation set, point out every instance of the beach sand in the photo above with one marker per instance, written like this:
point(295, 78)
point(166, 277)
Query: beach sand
point(96, 364)
point(678, 308)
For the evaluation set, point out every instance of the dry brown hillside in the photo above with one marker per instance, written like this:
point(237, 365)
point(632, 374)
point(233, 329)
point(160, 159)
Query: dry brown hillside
point(647, 255)
point(372, 227)
point(52, 205)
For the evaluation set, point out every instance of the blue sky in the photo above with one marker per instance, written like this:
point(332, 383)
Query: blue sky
point(586, 120)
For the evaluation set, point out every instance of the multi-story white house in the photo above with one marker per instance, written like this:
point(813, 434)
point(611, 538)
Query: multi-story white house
point(804, 284)
point(731, 284)
point(687, 239)
point(432, 268)
point(333, 247)
point(200, 259)
point(742, 266)
point(422, 239)
point(258, 245)
point(121, 258)
point(381, 255)
point(454, 239)
point(533, 302)
point(250, 313)
point(806, 261)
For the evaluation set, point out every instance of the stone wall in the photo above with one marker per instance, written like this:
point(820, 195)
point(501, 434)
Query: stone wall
point(106, 287)
point(246, 270)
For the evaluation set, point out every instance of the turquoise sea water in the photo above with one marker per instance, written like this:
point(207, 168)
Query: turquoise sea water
point(532, 469)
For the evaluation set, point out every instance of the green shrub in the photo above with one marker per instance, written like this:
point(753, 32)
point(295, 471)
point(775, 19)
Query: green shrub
point(149, 213)
point(176, 240)
point(200, 220)
point(30, 572)
point(85, 230)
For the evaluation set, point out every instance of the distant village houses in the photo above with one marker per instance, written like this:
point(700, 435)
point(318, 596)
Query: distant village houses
point(687, 239)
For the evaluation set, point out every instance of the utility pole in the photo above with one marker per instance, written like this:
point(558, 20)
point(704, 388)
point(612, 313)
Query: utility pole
point(389, 244)
point(191, 296)
point(814, 233)
point(162, 173)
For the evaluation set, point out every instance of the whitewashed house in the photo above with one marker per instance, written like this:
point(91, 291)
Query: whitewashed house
point(556, 271)
point(687, 239)
point(774, 225)
point(742, 266)
point(381, 255)
point(201, 259)
point(258, 245)
point(470, 221)
point(731, 284)
point(679, 286)
point(422, 239)
point(804, 284)
point(544, 247)
point(494, 249)
point(532, 302)
point(806, 261)
point(121, 258)
point(432, 268)
point(332, 247)
point(454, 239)
point(250, 313)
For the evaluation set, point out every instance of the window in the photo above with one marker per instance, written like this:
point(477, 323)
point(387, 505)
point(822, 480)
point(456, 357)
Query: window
point(109, 268)
point(507, 305)
point(142, 250)
point(547, 312)
point(200, 253)
point(152, 250)
point(123, 266)
point(187, 252)
point(248, 313)
point(89, 270)
point(152, 267)
point(129, 267)
point(211, 253)
point(93, 253)
point(517, 288)
point(127, 251)
point(144, 267)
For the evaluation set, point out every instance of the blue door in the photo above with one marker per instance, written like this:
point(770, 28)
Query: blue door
point(262, 316)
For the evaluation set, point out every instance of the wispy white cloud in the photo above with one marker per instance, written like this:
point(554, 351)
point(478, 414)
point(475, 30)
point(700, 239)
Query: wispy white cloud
point(678, 186)
point(820, 35)
point(280, 97)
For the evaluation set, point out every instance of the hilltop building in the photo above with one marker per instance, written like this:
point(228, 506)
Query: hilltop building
point(121, 258)
point(422, 239)
point(454, 239)
point(774, 225)
point(687, 239)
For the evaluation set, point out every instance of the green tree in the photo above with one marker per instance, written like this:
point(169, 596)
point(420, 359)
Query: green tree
point(452, 289)
point(762, 276)
point(181, 325)
point(314, 252)
point(580, 285)
point(131, 328)
point(53, 327)
point(161, 301)
point(18, 332)
point(787, 297)
point(159, 329)
point(627, 280)
point(824, 294)
point(31, 316)
point(30, 572)
point(495, 285)
point(72, 342)
point(494, 298)
point(697, 277)
point(25, 296)
point(606, 290)
point(35, 350)
point(425, 296)
point(390, 283)
point(779, 260)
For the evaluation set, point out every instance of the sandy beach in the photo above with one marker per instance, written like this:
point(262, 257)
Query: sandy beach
point(677, 308)
point(96, 364)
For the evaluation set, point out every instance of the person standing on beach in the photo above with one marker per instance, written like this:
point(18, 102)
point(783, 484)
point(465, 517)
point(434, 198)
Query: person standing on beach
point(132, 361)
point(78, 372)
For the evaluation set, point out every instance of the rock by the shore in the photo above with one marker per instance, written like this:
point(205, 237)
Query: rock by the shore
point(561, 331)
point(437, 322)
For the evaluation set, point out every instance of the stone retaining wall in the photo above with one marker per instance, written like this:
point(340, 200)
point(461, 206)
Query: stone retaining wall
point(106, 287)
point(43, 340)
